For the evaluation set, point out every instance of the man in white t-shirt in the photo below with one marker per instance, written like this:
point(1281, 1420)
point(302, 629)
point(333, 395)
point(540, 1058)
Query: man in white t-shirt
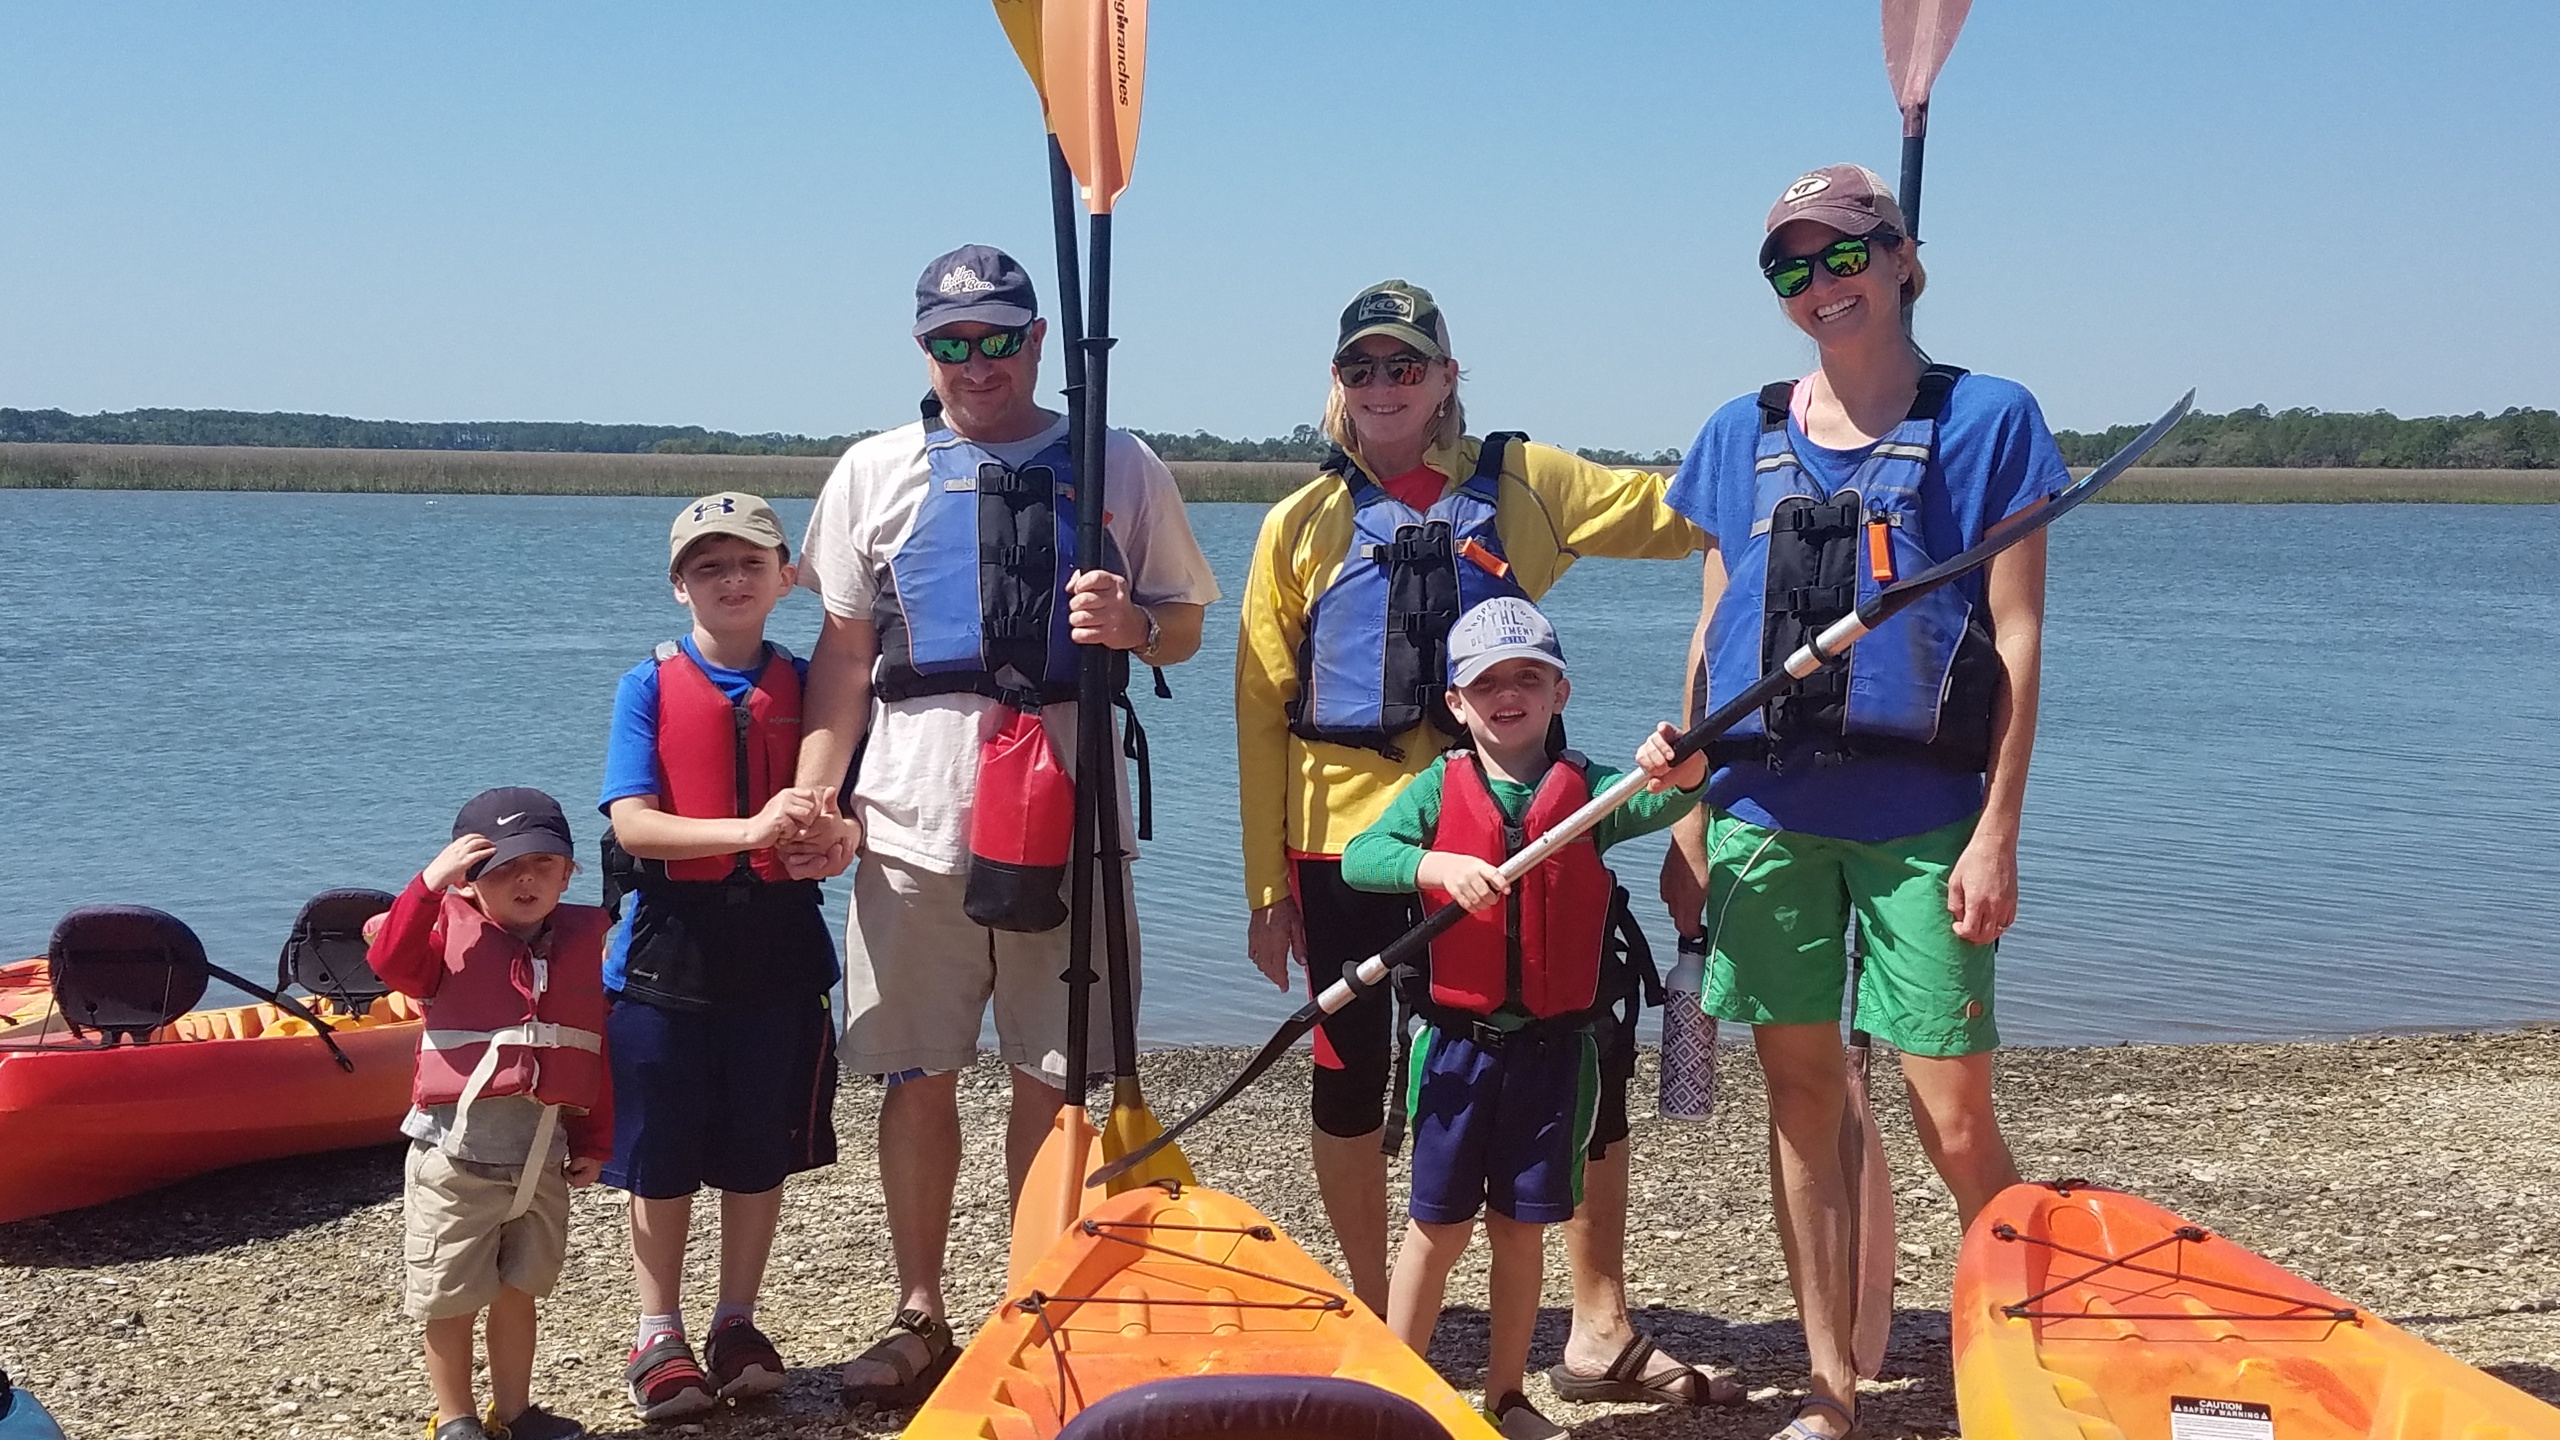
point(919, 972)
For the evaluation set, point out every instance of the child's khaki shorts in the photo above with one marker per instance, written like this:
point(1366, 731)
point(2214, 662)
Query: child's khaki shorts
point(460, 1247)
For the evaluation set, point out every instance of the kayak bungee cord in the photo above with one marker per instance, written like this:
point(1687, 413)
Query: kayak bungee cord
point(1828, 648)
point(2298, 1308)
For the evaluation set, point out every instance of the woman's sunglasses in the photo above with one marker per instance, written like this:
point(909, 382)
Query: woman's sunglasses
point(1790, 275)
point(995, 345)
point(1362, 373)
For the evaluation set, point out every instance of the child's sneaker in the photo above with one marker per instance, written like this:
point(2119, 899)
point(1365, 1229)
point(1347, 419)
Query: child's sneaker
point(666, 1381)
point(533, 1423)
point(466, 1427)
point(744, 1363)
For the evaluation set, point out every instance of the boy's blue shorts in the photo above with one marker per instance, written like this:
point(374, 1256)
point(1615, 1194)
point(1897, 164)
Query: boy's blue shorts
point(734, 1097)
point(1503, 1126)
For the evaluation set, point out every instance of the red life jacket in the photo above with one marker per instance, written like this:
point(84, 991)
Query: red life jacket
point(718, 760)
point(1540, 949)
point(549, 1046)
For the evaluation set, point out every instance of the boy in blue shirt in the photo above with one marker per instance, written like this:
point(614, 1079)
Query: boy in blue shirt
point(1504, 1080)
point(723, 1050)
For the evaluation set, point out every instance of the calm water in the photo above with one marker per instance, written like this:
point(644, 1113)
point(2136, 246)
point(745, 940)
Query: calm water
point(2294, 777)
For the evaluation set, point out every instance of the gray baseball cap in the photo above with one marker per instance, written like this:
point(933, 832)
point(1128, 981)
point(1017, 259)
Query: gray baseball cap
point(1400, 309)
point(1851, 199)
point(1502, 628)
point(731, 512)
point(974, 282)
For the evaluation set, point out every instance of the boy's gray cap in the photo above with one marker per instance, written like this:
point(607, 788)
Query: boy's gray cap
point(519, 821)
point(974, 282)
point(1851, 199)
point(731, 512)
point(1502, 628)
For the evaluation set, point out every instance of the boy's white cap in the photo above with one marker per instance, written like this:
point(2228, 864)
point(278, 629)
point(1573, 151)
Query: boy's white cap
point(1502, 628)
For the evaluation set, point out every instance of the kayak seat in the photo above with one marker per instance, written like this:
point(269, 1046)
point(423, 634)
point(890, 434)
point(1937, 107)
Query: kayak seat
point(1254, 1407)
point(325, 951)
point(125, 971)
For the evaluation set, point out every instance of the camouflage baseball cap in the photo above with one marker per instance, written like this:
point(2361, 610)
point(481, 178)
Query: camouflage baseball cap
point(1399, 309)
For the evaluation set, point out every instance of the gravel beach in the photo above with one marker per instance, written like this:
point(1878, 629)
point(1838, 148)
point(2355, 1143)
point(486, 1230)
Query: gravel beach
point(2416, 1175)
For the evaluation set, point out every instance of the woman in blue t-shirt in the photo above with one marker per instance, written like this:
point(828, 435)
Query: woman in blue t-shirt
point(1887, 789)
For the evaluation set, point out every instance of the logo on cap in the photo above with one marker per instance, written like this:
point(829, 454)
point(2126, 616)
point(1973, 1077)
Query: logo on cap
point(703, 508)
point(1805, 188)
point(505, 820)
point(965, 280)
point(1387, 305)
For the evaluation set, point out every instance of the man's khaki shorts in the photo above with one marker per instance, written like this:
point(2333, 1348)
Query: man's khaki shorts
point(460, 1247)
point(918, 974)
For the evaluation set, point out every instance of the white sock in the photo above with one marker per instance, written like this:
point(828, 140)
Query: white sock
point(653, 1326)
point(727, 1312)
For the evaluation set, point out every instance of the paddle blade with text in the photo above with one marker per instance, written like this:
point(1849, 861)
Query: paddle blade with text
point(1094, 60)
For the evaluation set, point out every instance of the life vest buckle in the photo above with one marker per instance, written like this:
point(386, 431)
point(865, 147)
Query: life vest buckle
point(1487, 1035)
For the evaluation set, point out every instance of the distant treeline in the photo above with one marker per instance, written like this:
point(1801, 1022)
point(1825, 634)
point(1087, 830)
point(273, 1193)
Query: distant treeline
point(2516, 439)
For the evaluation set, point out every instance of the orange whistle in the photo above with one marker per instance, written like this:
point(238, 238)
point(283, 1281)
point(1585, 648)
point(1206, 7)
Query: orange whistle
point(1490, 563)
point(1880, 551)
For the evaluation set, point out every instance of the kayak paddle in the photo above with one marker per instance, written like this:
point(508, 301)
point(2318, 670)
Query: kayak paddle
point(1053, 1192)
point(1094, 56)
point(1870, 1187)
point(1827, 648)
point(1918, 34)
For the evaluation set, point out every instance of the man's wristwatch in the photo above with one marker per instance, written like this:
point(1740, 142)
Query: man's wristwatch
point(1155, 632)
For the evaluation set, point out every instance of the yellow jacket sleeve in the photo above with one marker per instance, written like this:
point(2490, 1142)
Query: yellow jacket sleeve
point(1585, 508)
point(1272, 624)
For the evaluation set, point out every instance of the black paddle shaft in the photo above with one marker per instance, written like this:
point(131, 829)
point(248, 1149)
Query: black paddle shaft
point(1093, 706)
point(1079, 972)
point(1827, 648)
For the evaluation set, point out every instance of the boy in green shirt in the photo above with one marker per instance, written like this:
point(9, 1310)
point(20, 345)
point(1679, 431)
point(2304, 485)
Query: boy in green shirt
point(1504, 1078)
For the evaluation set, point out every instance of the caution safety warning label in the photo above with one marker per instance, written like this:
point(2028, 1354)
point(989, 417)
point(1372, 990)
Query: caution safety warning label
point(2194, 1419)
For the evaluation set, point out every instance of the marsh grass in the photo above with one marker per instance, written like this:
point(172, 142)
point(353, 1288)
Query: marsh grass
point(507, 472)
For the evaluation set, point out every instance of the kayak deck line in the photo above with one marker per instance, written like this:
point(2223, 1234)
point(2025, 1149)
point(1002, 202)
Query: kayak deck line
point(2296, 1309)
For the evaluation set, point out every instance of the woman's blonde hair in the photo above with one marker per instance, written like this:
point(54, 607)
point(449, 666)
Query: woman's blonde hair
point(1919, 281)
point(1447, 428)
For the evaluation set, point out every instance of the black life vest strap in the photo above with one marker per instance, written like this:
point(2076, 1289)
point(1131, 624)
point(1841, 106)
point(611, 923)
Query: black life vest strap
point(1490, 455)
point(1777, 398)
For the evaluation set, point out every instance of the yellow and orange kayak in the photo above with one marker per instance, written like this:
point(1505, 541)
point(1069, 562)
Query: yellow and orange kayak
point(2088, 1314)
point(82, 1123)
point(1173, 1300)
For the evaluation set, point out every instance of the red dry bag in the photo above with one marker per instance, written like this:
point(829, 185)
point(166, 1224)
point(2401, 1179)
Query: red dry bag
point(1021, 828)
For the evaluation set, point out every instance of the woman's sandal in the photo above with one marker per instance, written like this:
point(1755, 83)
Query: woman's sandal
point(1516, 1419)
point(1624, 1380)
point(919, 1349)
point(1798, 1430)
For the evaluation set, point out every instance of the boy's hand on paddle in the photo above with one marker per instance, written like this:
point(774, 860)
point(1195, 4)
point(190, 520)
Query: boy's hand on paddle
point(1653, 757)
point(453, 863)
point(1468, 879)
point(583, 1171)
point(1982, 889)
point(1099, 612)
point(1274, 937)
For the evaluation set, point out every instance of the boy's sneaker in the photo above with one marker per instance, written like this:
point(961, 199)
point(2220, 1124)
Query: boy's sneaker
point(744, 1363)
point(666, 1381)
point(466, 1427)
point(533, 1423)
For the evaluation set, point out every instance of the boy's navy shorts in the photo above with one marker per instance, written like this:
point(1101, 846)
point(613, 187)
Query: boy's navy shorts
point(1502, 1126)
point(734, 1097)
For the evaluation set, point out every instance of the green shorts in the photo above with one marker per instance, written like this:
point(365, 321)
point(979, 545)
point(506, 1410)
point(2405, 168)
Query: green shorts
point(1778, 903)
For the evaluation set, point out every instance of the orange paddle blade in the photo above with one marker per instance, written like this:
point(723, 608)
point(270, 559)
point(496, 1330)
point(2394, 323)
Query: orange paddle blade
point(1021, 21)
point(1918, 34)
point(1094, 62)
point(1131, 1125)
point(1054, 1195)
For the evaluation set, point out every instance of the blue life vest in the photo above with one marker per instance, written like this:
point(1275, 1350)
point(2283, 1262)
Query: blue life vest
point(975, 599)
point(1921, 686)
point(1375, 660)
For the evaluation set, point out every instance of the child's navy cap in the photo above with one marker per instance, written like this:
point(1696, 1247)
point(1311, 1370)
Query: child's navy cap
point(519, 821)
point(1502, 628)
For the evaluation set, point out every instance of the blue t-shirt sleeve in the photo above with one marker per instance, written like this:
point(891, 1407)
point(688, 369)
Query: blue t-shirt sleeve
point(631, 750)
point(1725, 448)
point(1995, 423)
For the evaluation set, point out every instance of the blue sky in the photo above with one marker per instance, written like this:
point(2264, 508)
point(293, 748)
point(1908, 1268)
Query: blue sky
point(714, 215)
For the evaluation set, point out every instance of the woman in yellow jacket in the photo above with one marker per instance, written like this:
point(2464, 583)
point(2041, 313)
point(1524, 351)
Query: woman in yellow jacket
point(1340, 664)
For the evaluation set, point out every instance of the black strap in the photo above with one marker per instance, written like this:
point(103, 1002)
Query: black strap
point(930, 408)
point(1495, 446)
point(1935, 384)
point(1775, 399)
point(1133, 744)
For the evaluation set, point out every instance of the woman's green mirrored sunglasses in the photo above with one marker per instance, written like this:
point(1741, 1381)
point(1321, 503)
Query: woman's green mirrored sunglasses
point(995, 345)
point(1789, 275)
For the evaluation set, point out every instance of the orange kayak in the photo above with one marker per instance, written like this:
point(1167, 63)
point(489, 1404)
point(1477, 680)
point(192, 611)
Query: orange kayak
point(82, 1123)
point(2093, 1315)
point(1181, 1300)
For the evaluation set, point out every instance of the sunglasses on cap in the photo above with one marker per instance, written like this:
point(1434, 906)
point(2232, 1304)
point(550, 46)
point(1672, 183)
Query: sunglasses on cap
point(994, 345)
point(1791, 275)
point(1362, 372)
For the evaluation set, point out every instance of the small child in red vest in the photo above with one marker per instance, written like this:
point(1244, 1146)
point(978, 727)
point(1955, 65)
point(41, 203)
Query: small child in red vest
point(1504, 1078)
point(724, 1062)
point(511, 1106)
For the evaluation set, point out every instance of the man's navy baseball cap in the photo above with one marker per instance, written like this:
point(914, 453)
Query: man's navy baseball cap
point(519, 821)
point(974, 282)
